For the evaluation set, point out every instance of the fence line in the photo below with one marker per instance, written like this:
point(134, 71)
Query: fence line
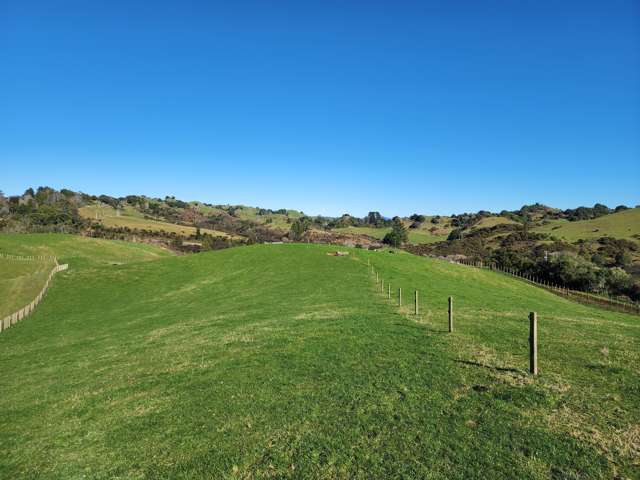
point(533, 317)
point(24, 311)
point(583, 297)
point(28, 257)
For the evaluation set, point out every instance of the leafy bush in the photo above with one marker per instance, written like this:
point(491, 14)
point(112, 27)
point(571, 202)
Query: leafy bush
point(398, 234)
point(456, 234)
point(298, 228)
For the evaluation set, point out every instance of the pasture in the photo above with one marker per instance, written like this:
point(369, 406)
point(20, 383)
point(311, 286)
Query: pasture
point(624, 224)
point(20, 282)
point(416, 236)
point(133, 219)
point(279, 361)
point(80, 252)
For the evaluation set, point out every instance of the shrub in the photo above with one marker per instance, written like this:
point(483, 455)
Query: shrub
point(299, 227)
point(398, 234)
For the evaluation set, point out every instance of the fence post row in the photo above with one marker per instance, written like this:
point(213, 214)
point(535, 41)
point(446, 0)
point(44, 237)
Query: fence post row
point(533, 343)
point(26, 310)
point(631, 307)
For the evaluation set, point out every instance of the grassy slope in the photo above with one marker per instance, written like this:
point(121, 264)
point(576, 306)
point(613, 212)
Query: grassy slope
point(79, 252)
point(132, 218)
point(489, 222)
point(378, 233)
point(415, 236)
point(276, 221)
point(280, 361)
point(20, 282)
point(623, 224)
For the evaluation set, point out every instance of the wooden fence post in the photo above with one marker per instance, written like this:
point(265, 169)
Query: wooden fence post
point(416, 302)
point(533, 343)
point(389, 290)
point(450, 310)
point(399, 297)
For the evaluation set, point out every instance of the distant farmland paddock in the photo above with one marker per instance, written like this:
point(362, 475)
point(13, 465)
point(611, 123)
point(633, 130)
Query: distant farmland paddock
point(625, 224)
point(80, 252)
point(489, 222)
point(415, 236)
point(279, 221)
point(281, 361)
point(131, 218)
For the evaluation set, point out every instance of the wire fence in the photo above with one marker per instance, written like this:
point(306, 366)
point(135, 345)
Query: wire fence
point(27, 258)
point(577, 295)
point(380, 285)
point(15, 317)
point(396, 295)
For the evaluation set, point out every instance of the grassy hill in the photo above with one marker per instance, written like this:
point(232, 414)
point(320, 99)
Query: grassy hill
point(415, 236)
point(278, 361)
point(624, 224)
point(132, 218)
point(278, 221)
point(489, 222)
point(20, 282)
point(80, 252)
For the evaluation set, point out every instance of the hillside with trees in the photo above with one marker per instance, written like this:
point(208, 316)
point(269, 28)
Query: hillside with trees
point(594, 249)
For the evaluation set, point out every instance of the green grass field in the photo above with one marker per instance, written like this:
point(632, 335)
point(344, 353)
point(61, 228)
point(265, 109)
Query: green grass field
point(415, 236)
point(489, 222)
point(276, 221)
point(278, 361)
point(20, 282)
point(132, 218)
point(623, 224)
point(80, 252)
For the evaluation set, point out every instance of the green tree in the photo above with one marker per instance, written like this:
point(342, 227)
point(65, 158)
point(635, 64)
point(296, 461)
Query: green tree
point(398, 234)
point(374, 218)
point(456, 234)
point(298, 228)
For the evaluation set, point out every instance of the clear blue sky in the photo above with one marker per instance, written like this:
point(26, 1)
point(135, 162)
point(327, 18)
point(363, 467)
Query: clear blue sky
point(327, 106)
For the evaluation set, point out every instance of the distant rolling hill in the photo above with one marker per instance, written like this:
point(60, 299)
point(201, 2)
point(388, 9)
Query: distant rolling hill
point(624, 224)
point(131, 218)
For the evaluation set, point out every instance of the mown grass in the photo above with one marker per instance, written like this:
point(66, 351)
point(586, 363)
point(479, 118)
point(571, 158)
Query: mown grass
point(624, 224)
point(20, 282)
point(80, 252)
point(131, 218)
point(282, 362)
